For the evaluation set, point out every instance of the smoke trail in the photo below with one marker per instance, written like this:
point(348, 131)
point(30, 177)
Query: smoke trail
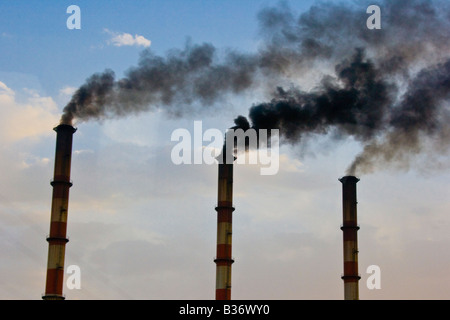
point(291, 46)
point(175, 81)
point(421, 114)
point(354, 103)
point(391, 95)
point(386, 88)
point(361, 103)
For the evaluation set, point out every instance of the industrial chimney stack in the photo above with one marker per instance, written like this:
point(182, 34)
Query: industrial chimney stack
point(224, 210)
point(350, 228)
point(58, 222)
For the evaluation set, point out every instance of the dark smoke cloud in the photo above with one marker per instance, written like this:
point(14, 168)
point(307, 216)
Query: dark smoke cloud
point(173, 82)
point(392, 95)
point(386, 89)
point(360, 103)
point(419, 121)
point(354, 102)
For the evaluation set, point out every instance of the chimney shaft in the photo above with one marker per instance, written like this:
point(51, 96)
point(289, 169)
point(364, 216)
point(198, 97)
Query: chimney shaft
point(224, 210)
point(58, 221)
point(350, 228)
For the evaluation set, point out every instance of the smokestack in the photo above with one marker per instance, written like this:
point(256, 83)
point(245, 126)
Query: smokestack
point(58, 222)
point(224, 210)
point(350, 228)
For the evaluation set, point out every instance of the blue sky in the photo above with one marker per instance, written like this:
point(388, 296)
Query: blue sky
point(141, 227)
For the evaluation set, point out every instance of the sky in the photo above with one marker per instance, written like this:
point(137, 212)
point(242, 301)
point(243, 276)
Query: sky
point(142, 227)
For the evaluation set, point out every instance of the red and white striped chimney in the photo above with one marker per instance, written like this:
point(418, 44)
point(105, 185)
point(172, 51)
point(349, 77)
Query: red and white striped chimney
point(224, 210)
point(350, 228)
point(58, 221)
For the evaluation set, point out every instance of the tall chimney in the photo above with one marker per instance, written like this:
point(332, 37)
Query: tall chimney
point(224, 210)
point(58, 222)
point(350, 228)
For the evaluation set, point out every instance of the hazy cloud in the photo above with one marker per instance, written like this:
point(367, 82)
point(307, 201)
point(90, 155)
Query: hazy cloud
point(26, 119)
point(6, 35)
point(68, 90)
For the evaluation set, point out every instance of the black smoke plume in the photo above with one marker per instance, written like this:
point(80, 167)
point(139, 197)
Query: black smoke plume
point(173, 82)
point(387, 88)
point(392, 95)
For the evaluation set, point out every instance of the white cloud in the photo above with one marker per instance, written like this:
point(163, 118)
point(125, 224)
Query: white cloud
point(127, 39)
point(4, 90)
point(68, 91)
point(77, 152)
point(29, 161)
point(29, 119)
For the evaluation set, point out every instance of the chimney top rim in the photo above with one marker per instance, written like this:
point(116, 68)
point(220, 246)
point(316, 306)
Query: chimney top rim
point(349, 178)
point(65, 126)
